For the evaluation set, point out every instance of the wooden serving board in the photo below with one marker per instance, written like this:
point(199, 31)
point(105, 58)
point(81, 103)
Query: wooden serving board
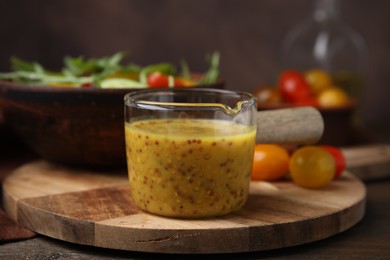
point(95, 208)
point(368, 162)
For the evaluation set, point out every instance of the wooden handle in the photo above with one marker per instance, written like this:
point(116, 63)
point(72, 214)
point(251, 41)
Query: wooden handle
point(303, 125)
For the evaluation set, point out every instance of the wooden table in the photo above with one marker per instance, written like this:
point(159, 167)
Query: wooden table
point(369, 239)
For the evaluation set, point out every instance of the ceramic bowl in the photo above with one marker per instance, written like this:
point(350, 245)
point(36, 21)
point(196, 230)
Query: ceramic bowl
point(80, 126)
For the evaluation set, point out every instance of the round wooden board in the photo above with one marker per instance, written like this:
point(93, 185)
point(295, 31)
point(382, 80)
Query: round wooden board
point(95, 208)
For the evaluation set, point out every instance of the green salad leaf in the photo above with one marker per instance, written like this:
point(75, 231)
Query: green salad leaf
point(212, 74)
point(166, 68)
point(104, 72)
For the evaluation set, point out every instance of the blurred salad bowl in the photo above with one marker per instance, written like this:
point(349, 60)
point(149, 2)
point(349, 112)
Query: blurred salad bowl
point(76, 116)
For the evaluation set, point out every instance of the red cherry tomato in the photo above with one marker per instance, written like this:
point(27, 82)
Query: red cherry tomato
point(311, 101)
point(86, 85)
point(293, 87)
point(339, 158)
point(158, 80)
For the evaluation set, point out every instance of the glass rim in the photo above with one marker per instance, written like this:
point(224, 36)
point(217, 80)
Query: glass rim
point(131, 97)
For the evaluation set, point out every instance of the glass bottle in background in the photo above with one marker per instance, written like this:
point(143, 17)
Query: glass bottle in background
point(326, 42)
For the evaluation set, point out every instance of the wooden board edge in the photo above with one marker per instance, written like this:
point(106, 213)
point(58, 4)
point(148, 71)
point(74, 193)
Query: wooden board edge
point(10, 204)
point(189, 242)
point(368, 162)
point(253, 239)
point(55, 226)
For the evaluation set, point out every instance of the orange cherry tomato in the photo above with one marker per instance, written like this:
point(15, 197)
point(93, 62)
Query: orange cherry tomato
point(270, 162)
point(339, 158)
point(182, 82)
point(312, 167)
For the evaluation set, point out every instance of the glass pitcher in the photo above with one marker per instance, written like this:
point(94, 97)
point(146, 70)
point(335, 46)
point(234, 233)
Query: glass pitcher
point(189, 151)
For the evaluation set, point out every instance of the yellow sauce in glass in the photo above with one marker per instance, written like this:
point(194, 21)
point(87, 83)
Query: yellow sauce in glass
point(189, 167)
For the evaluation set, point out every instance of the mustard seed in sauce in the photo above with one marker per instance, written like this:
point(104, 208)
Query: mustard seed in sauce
point(191, 166)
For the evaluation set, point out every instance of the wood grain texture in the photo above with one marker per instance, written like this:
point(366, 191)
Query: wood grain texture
point(368, 162)
point(95, 208)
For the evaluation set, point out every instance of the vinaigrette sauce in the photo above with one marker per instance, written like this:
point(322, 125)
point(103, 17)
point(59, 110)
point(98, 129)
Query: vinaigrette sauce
point(189, 168)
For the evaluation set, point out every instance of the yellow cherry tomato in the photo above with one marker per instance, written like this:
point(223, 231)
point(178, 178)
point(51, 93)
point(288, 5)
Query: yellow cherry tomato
point(318, 80)
point(124, 75)
point(312, 167)
point(270, 162)
point(67, 85)
point(333, 97)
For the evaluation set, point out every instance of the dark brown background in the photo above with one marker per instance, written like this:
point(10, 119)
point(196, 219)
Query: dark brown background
point(247, 33)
